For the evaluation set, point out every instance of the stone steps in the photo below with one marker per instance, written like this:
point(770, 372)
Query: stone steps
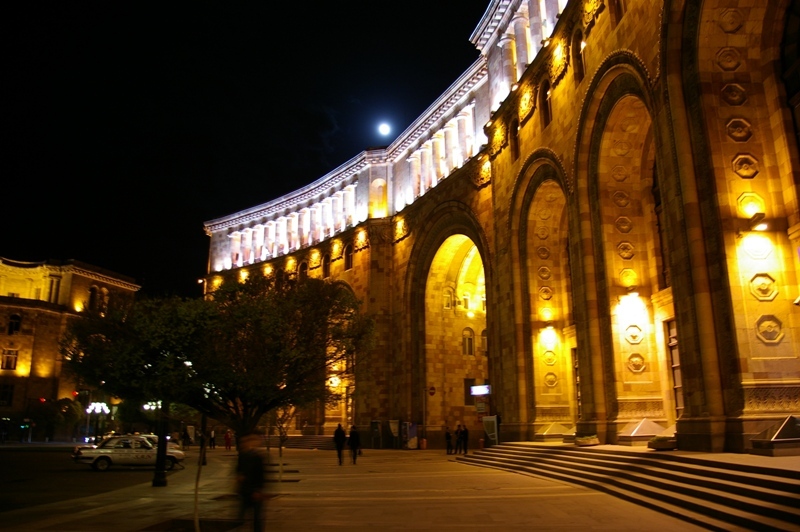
point(711, 494)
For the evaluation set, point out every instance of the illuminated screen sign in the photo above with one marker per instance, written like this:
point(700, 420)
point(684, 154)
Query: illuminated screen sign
point(483, 389)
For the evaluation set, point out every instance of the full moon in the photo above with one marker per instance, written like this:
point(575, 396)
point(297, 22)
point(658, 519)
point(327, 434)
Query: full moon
point(384, 129)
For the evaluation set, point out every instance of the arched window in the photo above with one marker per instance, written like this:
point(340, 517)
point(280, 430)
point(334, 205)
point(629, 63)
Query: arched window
point(467, 342)
point(348, 257)
point(326, 266)
point(617, 8)
point(93, 298)
point(546, 111)
point(14, 324)
point(513, 137)
point(302, 271)
point(577, 47)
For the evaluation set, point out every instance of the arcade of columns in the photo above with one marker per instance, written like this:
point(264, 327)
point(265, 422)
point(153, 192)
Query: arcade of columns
point(574, 223)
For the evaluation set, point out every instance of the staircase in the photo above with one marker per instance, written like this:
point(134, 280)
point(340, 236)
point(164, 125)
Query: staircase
point(305, 442)
point(711, 494)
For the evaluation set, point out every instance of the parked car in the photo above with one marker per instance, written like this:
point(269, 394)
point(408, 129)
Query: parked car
point(124, 451)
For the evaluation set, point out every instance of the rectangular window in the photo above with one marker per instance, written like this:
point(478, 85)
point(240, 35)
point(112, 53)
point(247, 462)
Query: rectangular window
point(6, 394)
point(9, 359)
point(13, 294)
point(469, 399)
point(55, 287)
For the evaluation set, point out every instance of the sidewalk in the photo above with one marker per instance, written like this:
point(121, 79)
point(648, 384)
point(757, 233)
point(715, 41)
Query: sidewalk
point(387, 489)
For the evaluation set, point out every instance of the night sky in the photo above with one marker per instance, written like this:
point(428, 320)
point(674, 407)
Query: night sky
point(126, 125)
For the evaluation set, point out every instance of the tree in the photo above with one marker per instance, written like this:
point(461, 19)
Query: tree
point(248, 348)
point(273, 342)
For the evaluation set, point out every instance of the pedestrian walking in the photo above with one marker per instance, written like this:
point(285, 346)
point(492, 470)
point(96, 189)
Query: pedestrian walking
point(465, 439)
point(187, 440)
point(448, 439)
point(459, 442)
point(354, 441)
point(212, 439)
point(228, 440)
point(498, 427)
point(250, 479)
point(339, 438)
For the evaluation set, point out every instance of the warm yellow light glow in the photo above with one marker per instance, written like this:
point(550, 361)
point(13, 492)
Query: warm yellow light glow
point(514, 87)
point(291, 264)
point(243, 274)
point(757, 246)
point(470, 314)
point(583, 45)
point(548, 337)
point(631, 309)
point(546, 42)
point(547, 314)
point(361, 238)
point(78, 306)
point(216, 282)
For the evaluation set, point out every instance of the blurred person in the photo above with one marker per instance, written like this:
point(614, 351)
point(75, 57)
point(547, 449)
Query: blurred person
point(354, 442)
point(250, 479)
point(339, 438)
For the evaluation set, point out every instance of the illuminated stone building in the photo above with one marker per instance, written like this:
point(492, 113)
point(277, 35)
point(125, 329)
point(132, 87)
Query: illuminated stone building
point(38, 298)
point(599, 218)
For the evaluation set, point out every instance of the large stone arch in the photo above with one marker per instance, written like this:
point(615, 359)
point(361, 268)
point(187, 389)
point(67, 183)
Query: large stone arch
point(620, 141)
point(540, 237)
point(454, 227)
point(745, 154)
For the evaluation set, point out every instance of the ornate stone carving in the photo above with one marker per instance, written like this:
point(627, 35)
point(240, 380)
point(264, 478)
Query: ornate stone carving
point(527, 101)
point(549, 358)
point(542, 232)
point(636, 363)
point(544, 273)
point(733, 94)
point(625, 250)
point(544, 213)
point(640, 409)
point(543, 252)
point(621, 198)
point(621, 148)
point(498, 139)
point(730, 21)
point(559, 59)
point(728, 59)
point(546, 293)
point(772, 399)
point(401, 229)
point(763, 287)
point(628, 278)
point(483, 176)
point(619, 173)
point(769, 329)
point(591, 8)
point(739, 130)
point(550, 380)
point(633, 334)
point(623, 224)
point(745, 166)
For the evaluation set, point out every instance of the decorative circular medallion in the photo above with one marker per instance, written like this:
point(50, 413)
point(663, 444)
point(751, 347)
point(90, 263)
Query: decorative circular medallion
point(542, 252)
point(549, 358)
point(636, 363)
point(550, 380)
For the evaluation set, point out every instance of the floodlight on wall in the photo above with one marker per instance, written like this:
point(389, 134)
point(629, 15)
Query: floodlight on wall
point(546, 42)
point(757, 222)
point(583, 45)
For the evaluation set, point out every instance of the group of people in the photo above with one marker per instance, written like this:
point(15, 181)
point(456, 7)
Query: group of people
point(354, 442)
point(186, 439)
point(461, 437)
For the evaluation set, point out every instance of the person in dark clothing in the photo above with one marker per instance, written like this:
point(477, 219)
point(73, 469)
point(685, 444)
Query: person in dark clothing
point(459, 441)
point(354, 442)
point(250, 479)
point(186, 439)
point(464, 438)
point(448, 438)
point(339, 438)
point(498, 427)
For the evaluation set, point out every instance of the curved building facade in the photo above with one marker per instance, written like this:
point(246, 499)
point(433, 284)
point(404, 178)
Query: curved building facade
point(599, 219)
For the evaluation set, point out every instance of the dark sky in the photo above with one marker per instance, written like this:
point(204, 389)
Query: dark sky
point(126, 125)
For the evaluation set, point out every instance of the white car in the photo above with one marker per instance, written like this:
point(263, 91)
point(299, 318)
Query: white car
point(153, 438)
point(125, 451)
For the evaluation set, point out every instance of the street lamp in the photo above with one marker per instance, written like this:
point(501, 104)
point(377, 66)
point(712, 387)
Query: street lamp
point(97, 408)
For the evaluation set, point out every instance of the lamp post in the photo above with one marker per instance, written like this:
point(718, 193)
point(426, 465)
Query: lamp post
point(97, 409)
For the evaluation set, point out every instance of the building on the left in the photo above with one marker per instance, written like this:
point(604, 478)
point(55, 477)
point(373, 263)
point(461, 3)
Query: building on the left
point(37, 300)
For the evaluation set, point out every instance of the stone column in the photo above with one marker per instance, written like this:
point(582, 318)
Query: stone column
point(455, 157)
point(425, 167)
point(509, 70)
point(437, 157)
point(415, 177)
point(535, 27)
point(520, 23)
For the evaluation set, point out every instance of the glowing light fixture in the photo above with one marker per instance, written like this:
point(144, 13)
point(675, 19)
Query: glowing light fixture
point(548, 337)
point(583, 45)
point(757, 222)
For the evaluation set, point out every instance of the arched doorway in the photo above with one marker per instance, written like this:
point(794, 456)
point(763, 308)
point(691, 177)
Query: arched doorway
point(455, 339)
